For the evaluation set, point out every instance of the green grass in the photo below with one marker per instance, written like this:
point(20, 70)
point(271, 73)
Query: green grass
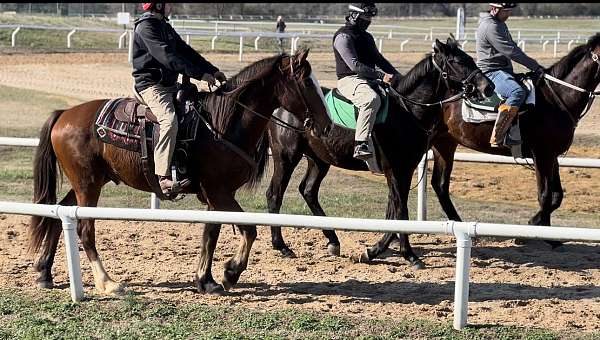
point(51, 315)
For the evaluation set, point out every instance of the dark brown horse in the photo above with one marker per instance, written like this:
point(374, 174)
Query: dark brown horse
point(547, 130)
point(402, 141)
point(216, 171)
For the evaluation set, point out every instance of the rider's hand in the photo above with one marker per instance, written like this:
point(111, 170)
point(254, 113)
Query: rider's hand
point(388, 78)
point(209, 78)
point(220, 76)
point(539, 74)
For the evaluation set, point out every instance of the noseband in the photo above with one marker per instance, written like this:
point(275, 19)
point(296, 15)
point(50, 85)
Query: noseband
point(465, 83)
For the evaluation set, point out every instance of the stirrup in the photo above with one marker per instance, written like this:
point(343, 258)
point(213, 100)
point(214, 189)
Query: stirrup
point(176, 186)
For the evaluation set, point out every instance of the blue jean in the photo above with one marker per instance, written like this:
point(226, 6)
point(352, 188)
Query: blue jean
point(507, 87)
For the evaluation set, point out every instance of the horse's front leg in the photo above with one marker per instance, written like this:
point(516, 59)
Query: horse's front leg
point(205, 283)
point(546, 167)
point(443, 161)
point(309, 188)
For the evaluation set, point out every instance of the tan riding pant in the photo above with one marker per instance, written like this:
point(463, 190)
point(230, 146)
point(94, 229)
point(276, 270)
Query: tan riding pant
point(160, 100)
point(358, 91)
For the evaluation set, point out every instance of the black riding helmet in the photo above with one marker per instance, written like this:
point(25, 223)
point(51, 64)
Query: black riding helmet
point(367, 9)
point(503, 5)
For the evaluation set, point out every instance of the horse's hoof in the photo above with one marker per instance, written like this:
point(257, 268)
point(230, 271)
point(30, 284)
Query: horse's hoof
point(418, 265)
point(333, 249)
point(521, 241)
point(286, 252)
point(114, 288)
point(45, 284)
point(362, 258)
point(211, 288)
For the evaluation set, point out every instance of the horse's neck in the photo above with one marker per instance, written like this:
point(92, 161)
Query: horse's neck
point(582, 76)
point(249, 129)
point(431, 89)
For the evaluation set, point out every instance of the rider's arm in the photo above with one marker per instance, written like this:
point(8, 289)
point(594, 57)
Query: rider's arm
point(385, 65)
point(194, 57)
point(345, 47)
point(499, 37)
point(165, 54)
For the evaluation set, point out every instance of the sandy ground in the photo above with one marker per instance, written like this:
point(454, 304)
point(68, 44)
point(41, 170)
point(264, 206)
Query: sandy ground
point(520, 285)
point(510, 285)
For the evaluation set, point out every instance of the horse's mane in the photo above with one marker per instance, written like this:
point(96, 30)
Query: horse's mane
point(566, 64)
point(222, 104)
point(411, 79)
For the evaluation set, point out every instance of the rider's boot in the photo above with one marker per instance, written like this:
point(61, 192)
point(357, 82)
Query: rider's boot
point(506, 114)
point(168, 186)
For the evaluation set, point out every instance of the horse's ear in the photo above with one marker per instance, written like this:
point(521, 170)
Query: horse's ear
point(302, 55)
point(438, 46)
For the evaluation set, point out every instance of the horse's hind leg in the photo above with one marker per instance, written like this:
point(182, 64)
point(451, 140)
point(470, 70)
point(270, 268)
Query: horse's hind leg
point(239, 262)
point(88, 197)
point(44, 263)
point(309, 188)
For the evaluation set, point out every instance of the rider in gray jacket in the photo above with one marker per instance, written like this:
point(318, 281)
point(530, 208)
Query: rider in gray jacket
point(495, 49)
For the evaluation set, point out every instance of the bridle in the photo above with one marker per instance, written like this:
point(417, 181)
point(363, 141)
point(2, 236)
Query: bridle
point(465, 85)
point(591, 94)
point(308, 117)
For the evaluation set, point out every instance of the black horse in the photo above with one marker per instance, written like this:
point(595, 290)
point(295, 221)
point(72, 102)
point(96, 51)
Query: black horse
point(547, 130)
point(401, 141)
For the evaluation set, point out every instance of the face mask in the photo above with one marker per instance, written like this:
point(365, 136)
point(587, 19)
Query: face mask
point(362, 24)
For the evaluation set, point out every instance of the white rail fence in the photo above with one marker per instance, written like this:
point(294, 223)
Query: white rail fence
point(317, 31)
point(463, 231)
point(477, 157)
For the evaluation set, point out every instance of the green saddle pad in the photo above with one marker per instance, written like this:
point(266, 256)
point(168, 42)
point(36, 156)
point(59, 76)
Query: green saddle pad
point(344, 113)
point(487, 104)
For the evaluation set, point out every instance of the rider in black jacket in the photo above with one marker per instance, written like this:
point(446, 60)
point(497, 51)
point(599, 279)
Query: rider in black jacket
point(159, 56)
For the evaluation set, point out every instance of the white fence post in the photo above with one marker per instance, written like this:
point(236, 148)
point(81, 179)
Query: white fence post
point(422, 191)
point(69, 225)
point(555, 47)
point(256, 43)
point(380, 45)
point(212, 42)
point(13, 36)
point(130, 53)
point(402, 44)
point(154, 202)
point(461, 280)
point(241, 47)
point(522, 45)
point(69, 38)
point(569, 45)
point(122, 39)
point(187, 39)
point(462, 45)
point(544, 45)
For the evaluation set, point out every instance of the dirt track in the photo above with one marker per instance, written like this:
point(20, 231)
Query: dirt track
point(510, 284)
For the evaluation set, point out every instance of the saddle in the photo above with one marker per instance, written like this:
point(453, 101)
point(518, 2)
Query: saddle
point(486, 110)
point(129, 124)
point(343, 113)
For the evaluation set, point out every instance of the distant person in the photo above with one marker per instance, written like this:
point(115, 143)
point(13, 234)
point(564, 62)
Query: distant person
point(159, 55)
point(356, 56)
point(495, 49)
point(280, 29)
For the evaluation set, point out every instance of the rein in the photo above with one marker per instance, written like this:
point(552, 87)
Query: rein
point(591, 94)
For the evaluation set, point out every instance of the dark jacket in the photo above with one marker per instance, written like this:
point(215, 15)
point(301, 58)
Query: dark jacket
point(356, 54)
point(159, 54)
point(280, 26)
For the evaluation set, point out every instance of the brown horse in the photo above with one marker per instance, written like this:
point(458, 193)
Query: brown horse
point(216, 171)
point(402, 140)
point(547, 130)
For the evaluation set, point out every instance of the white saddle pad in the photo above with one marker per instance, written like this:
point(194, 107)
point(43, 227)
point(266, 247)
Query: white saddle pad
point(471, 115)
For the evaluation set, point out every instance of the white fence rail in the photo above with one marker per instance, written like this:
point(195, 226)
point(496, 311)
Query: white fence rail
point(486, 158)
point(463, 231)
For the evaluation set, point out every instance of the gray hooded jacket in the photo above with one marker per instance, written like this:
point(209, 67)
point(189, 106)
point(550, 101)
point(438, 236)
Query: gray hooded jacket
point(495, 47)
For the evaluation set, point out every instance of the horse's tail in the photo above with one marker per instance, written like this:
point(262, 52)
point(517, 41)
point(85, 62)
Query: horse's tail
point(44, 183)
point(262, 160)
